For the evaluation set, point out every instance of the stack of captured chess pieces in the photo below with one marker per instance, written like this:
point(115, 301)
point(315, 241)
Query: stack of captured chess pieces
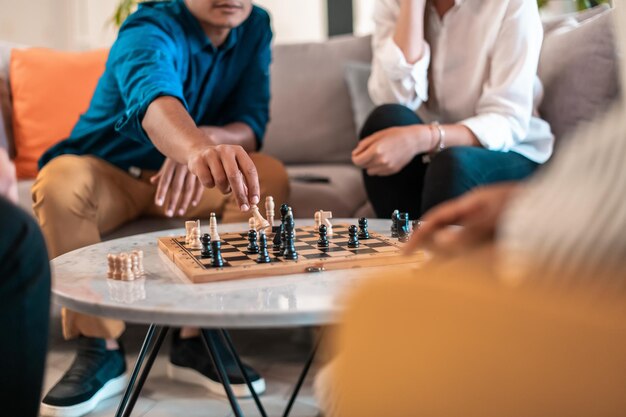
point(126, 266)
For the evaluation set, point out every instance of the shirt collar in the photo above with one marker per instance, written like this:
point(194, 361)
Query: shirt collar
point(198, 38)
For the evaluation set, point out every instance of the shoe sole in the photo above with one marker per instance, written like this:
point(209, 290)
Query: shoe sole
point(108, 390)
point(191, 376)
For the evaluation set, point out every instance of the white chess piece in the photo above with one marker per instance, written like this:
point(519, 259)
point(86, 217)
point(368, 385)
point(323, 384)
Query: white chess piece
point(189, 225)
point(135, 264)
point(127, 268)
point(251, 223)
point(213, 228)
point(318, 222)
point(324, 218)
point(260, 223)
point(270, 210)
point(117, 271)
point(139, 254)
point(111, 264)
point(194, 240)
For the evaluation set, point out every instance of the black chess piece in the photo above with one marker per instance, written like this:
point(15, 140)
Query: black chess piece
point(363, 232)
point(404, 228)
point(284, 209)
point(216, 248)
point(323, 240)
point(253, 247)
point(206, 246)
point(353, 240)
point(264, 256)
point(290, 247)
point(394, 223)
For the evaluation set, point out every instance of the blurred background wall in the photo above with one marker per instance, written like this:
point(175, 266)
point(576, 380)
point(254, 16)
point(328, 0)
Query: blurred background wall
point(84, 24)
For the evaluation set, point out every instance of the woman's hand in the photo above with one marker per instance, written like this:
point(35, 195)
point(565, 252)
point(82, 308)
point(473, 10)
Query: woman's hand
point(176, 182)
point(388, 151)
point(477, 212)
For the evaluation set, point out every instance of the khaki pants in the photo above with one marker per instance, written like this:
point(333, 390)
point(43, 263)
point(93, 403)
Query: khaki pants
point(77, 198)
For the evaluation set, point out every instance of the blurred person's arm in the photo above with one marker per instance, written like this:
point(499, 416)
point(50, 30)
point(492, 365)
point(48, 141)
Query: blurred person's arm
point(8, 181)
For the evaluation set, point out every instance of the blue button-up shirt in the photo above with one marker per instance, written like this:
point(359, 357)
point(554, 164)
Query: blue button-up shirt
point(162, 50)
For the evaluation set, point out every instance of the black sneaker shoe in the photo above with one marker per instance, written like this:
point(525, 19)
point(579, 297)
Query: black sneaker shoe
point(190, 362)
point(95, 374)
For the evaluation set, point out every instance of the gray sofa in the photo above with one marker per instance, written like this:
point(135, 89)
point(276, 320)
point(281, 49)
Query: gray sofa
point(318, 98)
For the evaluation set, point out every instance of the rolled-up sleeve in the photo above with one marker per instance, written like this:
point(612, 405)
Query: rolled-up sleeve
point(504, 110)
point(393, 79)
point(143, 60)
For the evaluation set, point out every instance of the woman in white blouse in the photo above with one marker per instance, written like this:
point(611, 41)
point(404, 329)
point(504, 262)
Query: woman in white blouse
point(457, 88)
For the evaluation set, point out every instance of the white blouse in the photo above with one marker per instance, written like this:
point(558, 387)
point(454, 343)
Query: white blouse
point(482, 57)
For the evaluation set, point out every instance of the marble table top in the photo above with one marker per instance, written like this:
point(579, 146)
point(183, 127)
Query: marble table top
point(166, 297)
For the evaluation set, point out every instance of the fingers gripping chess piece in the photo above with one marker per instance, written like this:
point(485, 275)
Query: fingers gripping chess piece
point(323, 240)
point(353, 240)
point(363, 232)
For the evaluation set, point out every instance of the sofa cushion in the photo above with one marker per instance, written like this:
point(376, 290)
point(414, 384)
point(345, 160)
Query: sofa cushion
point(579, 70)
point(344, 194)
point(357, 77)
point(50, 89)
point(311, 113)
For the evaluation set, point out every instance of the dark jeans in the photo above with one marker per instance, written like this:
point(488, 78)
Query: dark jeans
point(24, 311)
point(452, 172)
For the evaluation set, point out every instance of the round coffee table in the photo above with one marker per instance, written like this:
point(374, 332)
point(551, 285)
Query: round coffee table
point(165, 298)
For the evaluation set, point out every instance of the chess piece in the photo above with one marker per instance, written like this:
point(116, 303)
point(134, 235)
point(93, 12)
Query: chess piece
point(316, 218)
point(323, 240)
point(127, 268)
point(290, 248)
point(135, 264)
point(353, 240)
point(270, 210)
point(111, 265)
point(259, 222)
point(194, 239)
point(213, 228)
point(394, 223)
point(139, 254)
point(284, 209)
point(363, 232)
point(264, 256)
point(253, 247)
point(251, 223)
point(404, 225)
point(205, 240)
point(188, 228)
point(216, 248)
point(117, 271)
point(323, 217)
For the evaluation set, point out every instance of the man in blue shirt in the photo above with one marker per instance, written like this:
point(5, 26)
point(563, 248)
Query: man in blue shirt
point(182, 103)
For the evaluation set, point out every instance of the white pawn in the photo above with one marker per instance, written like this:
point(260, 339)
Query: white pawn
point(194, 240)
point(270, 208)
point(111, 264)
point(127, 268)
point(189, 225)
point(135, 263)
point(139, 254)
point(117, 271)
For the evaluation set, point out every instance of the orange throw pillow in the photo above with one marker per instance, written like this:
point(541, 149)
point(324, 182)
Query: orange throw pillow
point(50, 90)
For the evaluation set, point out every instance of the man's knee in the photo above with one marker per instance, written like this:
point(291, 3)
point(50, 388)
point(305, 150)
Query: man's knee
point(65, 182)
point(273, 177)
point(386, 116)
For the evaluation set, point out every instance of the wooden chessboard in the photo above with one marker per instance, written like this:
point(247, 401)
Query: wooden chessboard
point(378, 250)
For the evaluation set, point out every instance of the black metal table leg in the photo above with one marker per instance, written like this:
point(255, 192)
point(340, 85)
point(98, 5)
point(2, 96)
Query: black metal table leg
point(133, 377)
point(221, 372)
point(146, 371)
point(244, 374)
point(302, 377)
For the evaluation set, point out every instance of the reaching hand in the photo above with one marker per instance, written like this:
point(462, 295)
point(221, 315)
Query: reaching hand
point(387, 152)
point(229, 168)
point(477, 212)
point(8, 181)
point(182, 187)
